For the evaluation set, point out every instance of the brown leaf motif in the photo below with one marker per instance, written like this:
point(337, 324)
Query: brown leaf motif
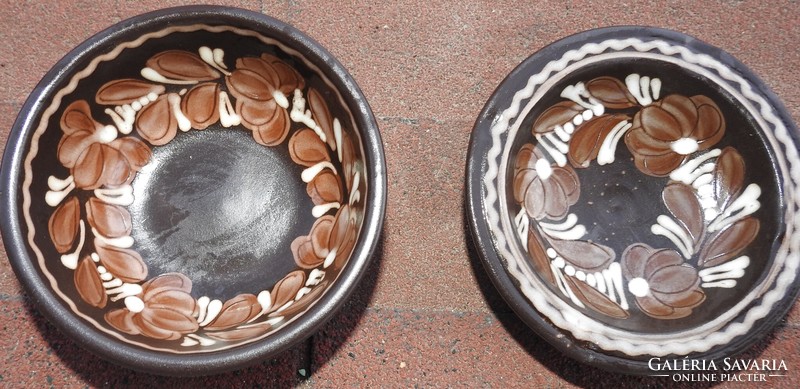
point(182, 65)
point(168, 310)
point(286, 290)
point(241, 333)
point(88, 283)
point(667, 131)
point(201, 105)
point(112, 221)
point(156, 122)
point(538, 256)
point(125, 264)
point(325, 188)
point(348, 158)
point(596, 300)
point(548, 195)
point(611, 92)
point(589, 136)
point(64, 224)
point(323, 118)
point(307, 149)
point(583, 255)
point(682, 202)
point(728, 243)
point(666, 287)
point(728, 177)
point(235, 311)
point(559, 114)
point(125, 91)
point(304, 302)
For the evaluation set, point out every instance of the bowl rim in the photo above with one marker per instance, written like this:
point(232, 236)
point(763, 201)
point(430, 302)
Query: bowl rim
point(483, 237)
point(11, 175)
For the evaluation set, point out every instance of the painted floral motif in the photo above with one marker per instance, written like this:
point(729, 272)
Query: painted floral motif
point(103, 160)
point(93, 154)
point(253, 84)
point(709, 204)
point(664, 285)
point(546, 190)
point(667, 131)
point(166, 311)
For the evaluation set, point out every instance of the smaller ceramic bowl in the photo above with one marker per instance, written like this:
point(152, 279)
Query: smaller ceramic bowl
point(633, 193)
point(193, 190)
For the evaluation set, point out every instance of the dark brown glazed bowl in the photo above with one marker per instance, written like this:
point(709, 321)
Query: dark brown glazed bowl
point(193, 190)
point(633, 193)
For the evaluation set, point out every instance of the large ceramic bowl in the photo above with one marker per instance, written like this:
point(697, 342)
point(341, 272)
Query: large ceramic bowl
point(193, 190)
point(634, 196)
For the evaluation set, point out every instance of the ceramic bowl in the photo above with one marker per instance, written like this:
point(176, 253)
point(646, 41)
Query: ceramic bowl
point(193, 190)
point(633, 194)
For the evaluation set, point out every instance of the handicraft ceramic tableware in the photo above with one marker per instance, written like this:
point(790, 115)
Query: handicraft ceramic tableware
point(633, 193)
point(193, 190)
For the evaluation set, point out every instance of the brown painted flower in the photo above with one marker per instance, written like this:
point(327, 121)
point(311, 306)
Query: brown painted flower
point(167, 312)
point(667, 131)
point(664, 286)
point(254, 84)
point(94, 155)
point(546, 190)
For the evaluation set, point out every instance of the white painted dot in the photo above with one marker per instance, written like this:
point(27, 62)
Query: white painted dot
point(95, 257)
point(134, 304)
point(684, 146)
point(152, 96)
point(106, 134)
point(580, 275)
point(543, 169)
point(639, 287)
point(591, 280)
point(144, 100)
point(551, 253)
point(587, 114)
point(136, 105)
point(569, 270)
point(559, 262)
point(598, 109)
point(101, 269)
point(577, 120)
point(569, 128)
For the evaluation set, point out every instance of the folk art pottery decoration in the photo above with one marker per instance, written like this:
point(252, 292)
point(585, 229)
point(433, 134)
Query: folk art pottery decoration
point(193, 189)
point(633, 193)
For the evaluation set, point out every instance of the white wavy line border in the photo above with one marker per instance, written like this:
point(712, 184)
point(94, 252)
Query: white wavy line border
point(568, 318)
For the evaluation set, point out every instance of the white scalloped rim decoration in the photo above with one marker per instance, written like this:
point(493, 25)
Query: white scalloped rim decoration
point(566, 317)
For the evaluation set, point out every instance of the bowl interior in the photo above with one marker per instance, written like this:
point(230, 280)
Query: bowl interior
point(620, 198)
point(197, 180)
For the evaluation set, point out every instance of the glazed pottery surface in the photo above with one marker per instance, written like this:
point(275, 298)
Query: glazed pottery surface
point(193, 190)
point(633, 193)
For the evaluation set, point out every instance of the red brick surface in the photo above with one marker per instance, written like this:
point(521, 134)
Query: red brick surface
point(426, 315)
